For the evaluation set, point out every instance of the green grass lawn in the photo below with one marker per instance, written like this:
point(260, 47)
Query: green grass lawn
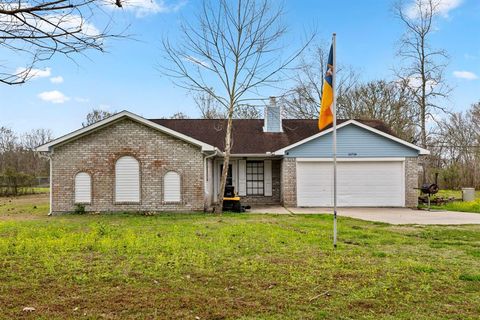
point(468, 206)
point(234, 266)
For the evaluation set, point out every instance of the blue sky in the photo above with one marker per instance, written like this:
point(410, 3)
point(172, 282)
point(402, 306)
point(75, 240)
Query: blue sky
point(127, 76)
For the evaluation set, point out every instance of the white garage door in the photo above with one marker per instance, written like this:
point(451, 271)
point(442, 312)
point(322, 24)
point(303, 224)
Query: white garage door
point(360, 184)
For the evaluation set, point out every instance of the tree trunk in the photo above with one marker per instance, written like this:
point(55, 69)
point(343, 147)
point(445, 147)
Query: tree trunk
point(226, 160)
point(423, 134)
point(423, 108)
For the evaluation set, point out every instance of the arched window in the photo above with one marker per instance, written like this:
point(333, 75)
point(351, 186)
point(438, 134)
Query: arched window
point(127, 180)
point(171, 187)
point(83, 188)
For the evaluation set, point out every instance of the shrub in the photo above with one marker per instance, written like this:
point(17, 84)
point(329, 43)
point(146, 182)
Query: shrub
point(79, 208)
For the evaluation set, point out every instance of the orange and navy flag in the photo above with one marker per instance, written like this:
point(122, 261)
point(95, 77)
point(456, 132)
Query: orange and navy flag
point(326, 107)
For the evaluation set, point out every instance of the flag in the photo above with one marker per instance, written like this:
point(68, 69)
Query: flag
point(326, 106)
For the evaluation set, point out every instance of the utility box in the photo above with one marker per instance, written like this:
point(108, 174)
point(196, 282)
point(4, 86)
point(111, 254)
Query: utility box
point(468, 194)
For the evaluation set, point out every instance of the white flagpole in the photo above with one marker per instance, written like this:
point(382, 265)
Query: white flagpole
point(334, 141)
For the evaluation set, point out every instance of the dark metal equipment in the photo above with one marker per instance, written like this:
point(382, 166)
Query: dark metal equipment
point(229, 192)
point(231, 202)
point(428, 189)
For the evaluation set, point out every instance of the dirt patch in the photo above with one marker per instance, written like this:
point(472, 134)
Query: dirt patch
point(26, 199)
point(28, 207)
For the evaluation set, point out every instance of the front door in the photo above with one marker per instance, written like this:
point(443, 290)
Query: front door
point(229, 175)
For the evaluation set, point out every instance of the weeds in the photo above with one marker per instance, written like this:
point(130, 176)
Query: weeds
point(467, 206)
point(238, 267)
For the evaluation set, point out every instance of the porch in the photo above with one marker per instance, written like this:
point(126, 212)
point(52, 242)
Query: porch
point(255, 179)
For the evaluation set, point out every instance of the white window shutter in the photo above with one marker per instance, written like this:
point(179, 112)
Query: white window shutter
point(242, 177)
point(171, 187)
point(267, 176)
point(127, 180)
point(83, 188)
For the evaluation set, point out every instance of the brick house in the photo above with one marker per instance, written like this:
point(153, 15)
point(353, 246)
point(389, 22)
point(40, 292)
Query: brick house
point(129, 163)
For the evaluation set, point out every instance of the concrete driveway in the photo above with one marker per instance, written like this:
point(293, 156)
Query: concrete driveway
point(387, 215)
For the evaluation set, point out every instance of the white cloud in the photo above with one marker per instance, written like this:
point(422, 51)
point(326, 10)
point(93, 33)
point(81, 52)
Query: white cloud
point(197, 61)
point(142, 8)
point(54, 96)
point(104, 106)
point(416, 82)
point(81, 100)
point(70, 23)
point(467, 75)
point(443, 7)
point(33, 73)
point(58, 79)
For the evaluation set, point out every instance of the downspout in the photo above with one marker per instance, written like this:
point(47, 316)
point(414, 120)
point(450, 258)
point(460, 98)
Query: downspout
point(51, 182)
point(205, 167)
point(48, 155)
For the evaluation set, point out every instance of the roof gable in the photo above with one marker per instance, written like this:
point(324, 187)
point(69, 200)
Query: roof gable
point(354, 139)
point(115, 118)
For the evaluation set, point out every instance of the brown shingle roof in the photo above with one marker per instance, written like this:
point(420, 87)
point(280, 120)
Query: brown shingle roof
point(248, 135)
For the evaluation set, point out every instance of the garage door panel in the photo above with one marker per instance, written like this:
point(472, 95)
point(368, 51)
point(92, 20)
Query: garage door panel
point(318, 186)
point(372, 183)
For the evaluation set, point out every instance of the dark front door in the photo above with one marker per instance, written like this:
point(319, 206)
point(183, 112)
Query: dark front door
point(229, 175)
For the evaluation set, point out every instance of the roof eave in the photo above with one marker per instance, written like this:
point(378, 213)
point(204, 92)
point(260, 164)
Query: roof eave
point(424, 152)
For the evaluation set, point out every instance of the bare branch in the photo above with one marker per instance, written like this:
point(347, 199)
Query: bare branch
point(40, 29)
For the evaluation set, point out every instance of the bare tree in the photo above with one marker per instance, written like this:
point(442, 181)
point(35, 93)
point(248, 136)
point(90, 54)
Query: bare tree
point(423, 66)
point(36, 137)
point(210, 109)
point(19, 163)
point(303, 100)
point(96, 115)
point(230, 52)
point(37, 165)
point(37, 30)
point(390, 102)
point(8, 139)
point(456, 147)
point(475, 112)
point(179, 115)
point(248, 111)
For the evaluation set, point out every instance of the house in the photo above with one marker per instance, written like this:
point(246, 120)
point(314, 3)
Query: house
point(129, 163)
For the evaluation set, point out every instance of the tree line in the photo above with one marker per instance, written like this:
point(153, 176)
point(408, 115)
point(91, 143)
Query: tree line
point(21, 168)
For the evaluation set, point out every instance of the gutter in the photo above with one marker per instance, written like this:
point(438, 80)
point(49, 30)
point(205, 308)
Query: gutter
point(205, 165)
point(250, 155)
point(215, 153)
point(253, 155)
